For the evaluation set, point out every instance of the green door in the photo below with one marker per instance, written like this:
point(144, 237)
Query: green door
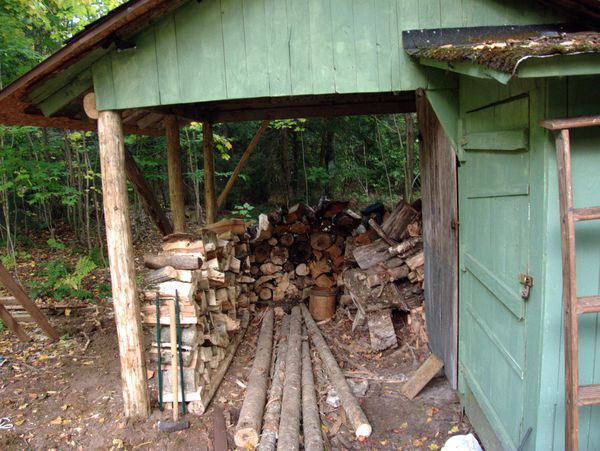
point(494, 205)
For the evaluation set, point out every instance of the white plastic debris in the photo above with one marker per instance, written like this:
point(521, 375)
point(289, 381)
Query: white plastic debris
point(359, 388)
point(462, 443)
point(333, 399)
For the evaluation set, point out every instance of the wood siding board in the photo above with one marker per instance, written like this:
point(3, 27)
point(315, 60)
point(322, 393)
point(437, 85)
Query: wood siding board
point(201, 62)
point(136, 91)
point(440, 209)
point(366, 44)
point(430, 14)
point(300, 47)
point(321, 44)
point(104, 83)
point(278, 54)
point(234, 43)
point(451, 12)
point(411, 74)
point(167, 61)
point(256, 47)
point(344, 46)
point(386, 26)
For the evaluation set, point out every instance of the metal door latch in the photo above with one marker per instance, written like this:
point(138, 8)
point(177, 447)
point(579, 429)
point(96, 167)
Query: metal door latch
point(527, 281)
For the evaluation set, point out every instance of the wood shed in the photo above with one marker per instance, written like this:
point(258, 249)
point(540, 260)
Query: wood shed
point(481, 74)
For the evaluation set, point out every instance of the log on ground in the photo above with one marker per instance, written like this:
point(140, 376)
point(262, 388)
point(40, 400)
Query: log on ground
point(311, 422)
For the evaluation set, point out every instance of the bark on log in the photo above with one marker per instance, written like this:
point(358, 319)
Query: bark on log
point(161, 275)
point(251, 415)
point(122, 270)
point(381, 330)
point(289, 425)
point(177, 261)
point(405, 248)
point(273, 410)
point(354, 413)
point(261, 252)
point(311, 422)
point(416, 261)
point(398, 220)
point(321, 241)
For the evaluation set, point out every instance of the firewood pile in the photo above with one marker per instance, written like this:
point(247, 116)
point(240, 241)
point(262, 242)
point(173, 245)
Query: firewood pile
point(375, 271)
point(280, 409)
point(386, 272)
point(203, 272)
point(298, 249)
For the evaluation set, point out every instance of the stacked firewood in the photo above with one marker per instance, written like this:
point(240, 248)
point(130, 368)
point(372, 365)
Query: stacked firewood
point(388, 273)
point(202, 272)
point(301, 248)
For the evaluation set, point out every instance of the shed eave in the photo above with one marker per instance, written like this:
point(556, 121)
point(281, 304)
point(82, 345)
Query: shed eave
point(467, 68)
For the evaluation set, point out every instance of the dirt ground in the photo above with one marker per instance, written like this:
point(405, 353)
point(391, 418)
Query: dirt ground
point(67, 395)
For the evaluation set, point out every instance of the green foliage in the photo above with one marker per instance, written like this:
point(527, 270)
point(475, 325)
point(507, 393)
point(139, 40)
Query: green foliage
point(97, 256)
point(59, 281)
point(2, 326)
point(9, 260)
point(73, 281)
point(56, 244)
point(244, 211)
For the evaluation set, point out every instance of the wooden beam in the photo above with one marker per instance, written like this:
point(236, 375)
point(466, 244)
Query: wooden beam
point(12, 324)
point(209, 173)
point(151, 205)
point(176, 192)
point(20, 295)
point(122, 271)
point(571, 122)
point(242, 163)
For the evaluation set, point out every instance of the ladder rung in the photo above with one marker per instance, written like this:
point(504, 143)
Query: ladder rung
point(588, 304)
point(589, 395)
point(586, 214)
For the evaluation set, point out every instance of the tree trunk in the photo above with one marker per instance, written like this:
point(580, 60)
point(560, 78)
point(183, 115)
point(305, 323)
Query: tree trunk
point(122, 270)
point(289, 425)
point(176, 190)
point(357, 418)
point(247, 431)
point(410, 157)
point(273, 411)
point(209, 174)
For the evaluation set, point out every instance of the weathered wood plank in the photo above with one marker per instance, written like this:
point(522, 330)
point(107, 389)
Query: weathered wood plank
point(422, 376)
point(167, 61)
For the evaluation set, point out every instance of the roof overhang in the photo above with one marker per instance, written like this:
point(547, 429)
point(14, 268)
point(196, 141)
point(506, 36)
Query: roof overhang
point(501, 53)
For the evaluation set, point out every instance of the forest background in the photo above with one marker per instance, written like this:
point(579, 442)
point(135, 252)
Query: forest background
point(50, 178)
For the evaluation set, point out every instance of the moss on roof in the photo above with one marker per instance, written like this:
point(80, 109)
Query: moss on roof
point(505, 55)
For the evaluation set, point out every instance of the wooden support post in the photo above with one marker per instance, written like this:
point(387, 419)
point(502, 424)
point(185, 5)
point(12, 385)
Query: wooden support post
point(122, 272)
point(20, 295)
point(241, 164)
point(149, 200)
point(176, 192)
point(209, 173)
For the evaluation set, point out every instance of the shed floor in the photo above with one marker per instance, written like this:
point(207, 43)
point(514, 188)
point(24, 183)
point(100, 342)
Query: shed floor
point(61, 397)
point(67, 395)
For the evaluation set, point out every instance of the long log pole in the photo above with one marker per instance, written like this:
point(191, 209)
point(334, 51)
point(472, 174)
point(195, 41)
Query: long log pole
point(241, 164)
point(311, 422)
point(11, 285)
point(209, 173)
point(247, 431)
point(122, 271)
point(357, 417)
point(289, 424)
point(149, 200)
point(175, 174)
point(268, 439)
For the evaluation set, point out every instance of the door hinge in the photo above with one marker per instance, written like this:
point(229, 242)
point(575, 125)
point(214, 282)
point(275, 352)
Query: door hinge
point(527, 281)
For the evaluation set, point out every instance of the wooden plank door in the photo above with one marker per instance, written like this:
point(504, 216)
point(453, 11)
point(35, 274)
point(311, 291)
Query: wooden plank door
point(495, 227)
point(440, 234)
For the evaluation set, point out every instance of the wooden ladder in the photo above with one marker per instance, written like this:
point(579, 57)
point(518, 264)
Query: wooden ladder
point(576, 395)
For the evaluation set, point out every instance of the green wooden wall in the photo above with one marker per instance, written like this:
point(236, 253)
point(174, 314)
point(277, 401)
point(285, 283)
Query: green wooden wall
point(233, 49)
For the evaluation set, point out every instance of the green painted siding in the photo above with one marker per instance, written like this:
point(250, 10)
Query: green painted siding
point(571, 97)
point(233, 49)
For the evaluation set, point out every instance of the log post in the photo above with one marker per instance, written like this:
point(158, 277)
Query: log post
point(241, 164)
point(122, 272)
point(209, 173)
point(176, 192)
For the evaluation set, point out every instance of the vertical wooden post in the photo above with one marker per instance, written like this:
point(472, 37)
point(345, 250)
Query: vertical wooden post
point(209, 173)
point(176, 192)
point(122, 271)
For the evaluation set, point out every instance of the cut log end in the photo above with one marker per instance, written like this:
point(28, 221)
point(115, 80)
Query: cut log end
point(246, 438)
point(363, 431)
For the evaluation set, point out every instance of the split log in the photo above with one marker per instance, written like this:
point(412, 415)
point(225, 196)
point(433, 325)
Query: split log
point(279, 255)
point(177, 261)
point(371, 254)
point(416, 260)
point(273, 409)
point(265, 229)
point(321, 241)
point(270, 268)
point(300, 252)
point(299, 228)
point(311, 421)
point(302, 270)
point(324, 281)
point(354, 413)
point(319, 267)
point(384, 236)
point(381, 330)
point(389, 275)
point(251, 415)
point(261, 252)
point(396, 223)
point(265, 294)
point(422, 376)
point(286, 239)
point(289, 425)
point(295, 213)
point(405, 248)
